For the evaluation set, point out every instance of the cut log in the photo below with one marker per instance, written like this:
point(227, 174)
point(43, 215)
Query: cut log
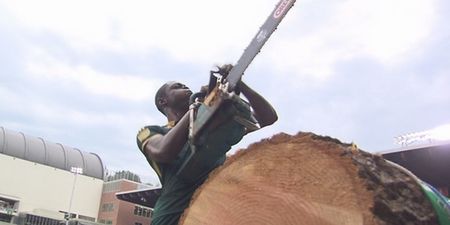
point(308, 179)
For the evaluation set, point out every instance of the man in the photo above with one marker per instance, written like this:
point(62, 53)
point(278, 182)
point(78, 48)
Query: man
point(166, 150)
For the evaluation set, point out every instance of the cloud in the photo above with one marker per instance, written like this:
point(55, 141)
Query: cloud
point(195, 31)
point(50, 114)
point(201, 31)
point(387, 31)
point(128, 87)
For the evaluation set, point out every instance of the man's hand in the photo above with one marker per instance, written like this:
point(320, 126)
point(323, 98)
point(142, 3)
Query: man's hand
point(224, 69)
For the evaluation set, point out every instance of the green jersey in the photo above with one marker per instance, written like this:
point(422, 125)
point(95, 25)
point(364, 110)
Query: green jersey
point(176, 190)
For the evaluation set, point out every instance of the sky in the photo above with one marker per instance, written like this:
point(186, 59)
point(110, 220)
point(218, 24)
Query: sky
point(84, 73)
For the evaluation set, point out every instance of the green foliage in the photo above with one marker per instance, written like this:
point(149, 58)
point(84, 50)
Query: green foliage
point(124, 174)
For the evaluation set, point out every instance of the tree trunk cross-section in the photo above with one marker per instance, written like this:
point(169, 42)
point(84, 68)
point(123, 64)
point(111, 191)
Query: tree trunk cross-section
point(308, 179)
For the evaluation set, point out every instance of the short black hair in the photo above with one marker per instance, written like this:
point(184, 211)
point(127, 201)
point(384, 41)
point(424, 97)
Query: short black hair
point(161, 93)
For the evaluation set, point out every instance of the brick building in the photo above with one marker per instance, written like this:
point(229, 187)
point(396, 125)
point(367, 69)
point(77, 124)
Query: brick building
point(116, 212)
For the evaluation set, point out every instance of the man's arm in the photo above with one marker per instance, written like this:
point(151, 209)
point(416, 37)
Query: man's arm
point(165, 148)
point(263, 111)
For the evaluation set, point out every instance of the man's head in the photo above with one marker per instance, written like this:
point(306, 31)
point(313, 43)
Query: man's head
point(172, 96)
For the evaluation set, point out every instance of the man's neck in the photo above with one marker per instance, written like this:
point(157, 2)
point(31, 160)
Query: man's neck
point(174, 116)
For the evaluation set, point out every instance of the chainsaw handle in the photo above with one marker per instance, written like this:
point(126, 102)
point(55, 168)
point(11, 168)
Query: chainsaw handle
point(196, 95)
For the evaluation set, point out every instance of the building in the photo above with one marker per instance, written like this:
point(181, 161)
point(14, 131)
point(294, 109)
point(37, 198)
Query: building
point(428, 161)
point(115, 212)
point(42, 181)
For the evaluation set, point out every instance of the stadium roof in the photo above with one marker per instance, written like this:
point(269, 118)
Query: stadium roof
point(430, 162)
point(144, 197)
point(44, 152)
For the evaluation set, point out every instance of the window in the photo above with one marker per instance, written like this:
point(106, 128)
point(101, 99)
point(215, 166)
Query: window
point(88, 218)
point(113, 186)
point(142, 211)
point(107, 207)
point(38, 220)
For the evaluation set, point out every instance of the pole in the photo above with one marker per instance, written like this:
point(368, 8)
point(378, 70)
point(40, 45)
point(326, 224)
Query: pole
point(75, 171)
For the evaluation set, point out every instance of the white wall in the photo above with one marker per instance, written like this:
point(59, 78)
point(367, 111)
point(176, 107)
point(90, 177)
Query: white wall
point(42, 188)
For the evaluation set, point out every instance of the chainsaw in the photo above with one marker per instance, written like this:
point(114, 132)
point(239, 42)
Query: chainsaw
point(223, 92)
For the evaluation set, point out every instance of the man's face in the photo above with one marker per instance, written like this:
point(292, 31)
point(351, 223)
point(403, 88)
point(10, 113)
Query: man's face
point(178, 95)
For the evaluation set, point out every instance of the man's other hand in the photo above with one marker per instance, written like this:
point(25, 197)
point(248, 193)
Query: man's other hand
point(224, 69)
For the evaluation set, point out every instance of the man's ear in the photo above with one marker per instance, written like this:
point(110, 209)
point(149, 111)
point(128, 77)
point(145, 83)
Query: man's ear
point(162, 102)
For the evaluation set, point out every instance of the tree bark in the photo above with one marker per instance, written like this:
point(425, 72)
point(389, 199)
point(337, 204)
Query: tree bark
point(308, 179)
